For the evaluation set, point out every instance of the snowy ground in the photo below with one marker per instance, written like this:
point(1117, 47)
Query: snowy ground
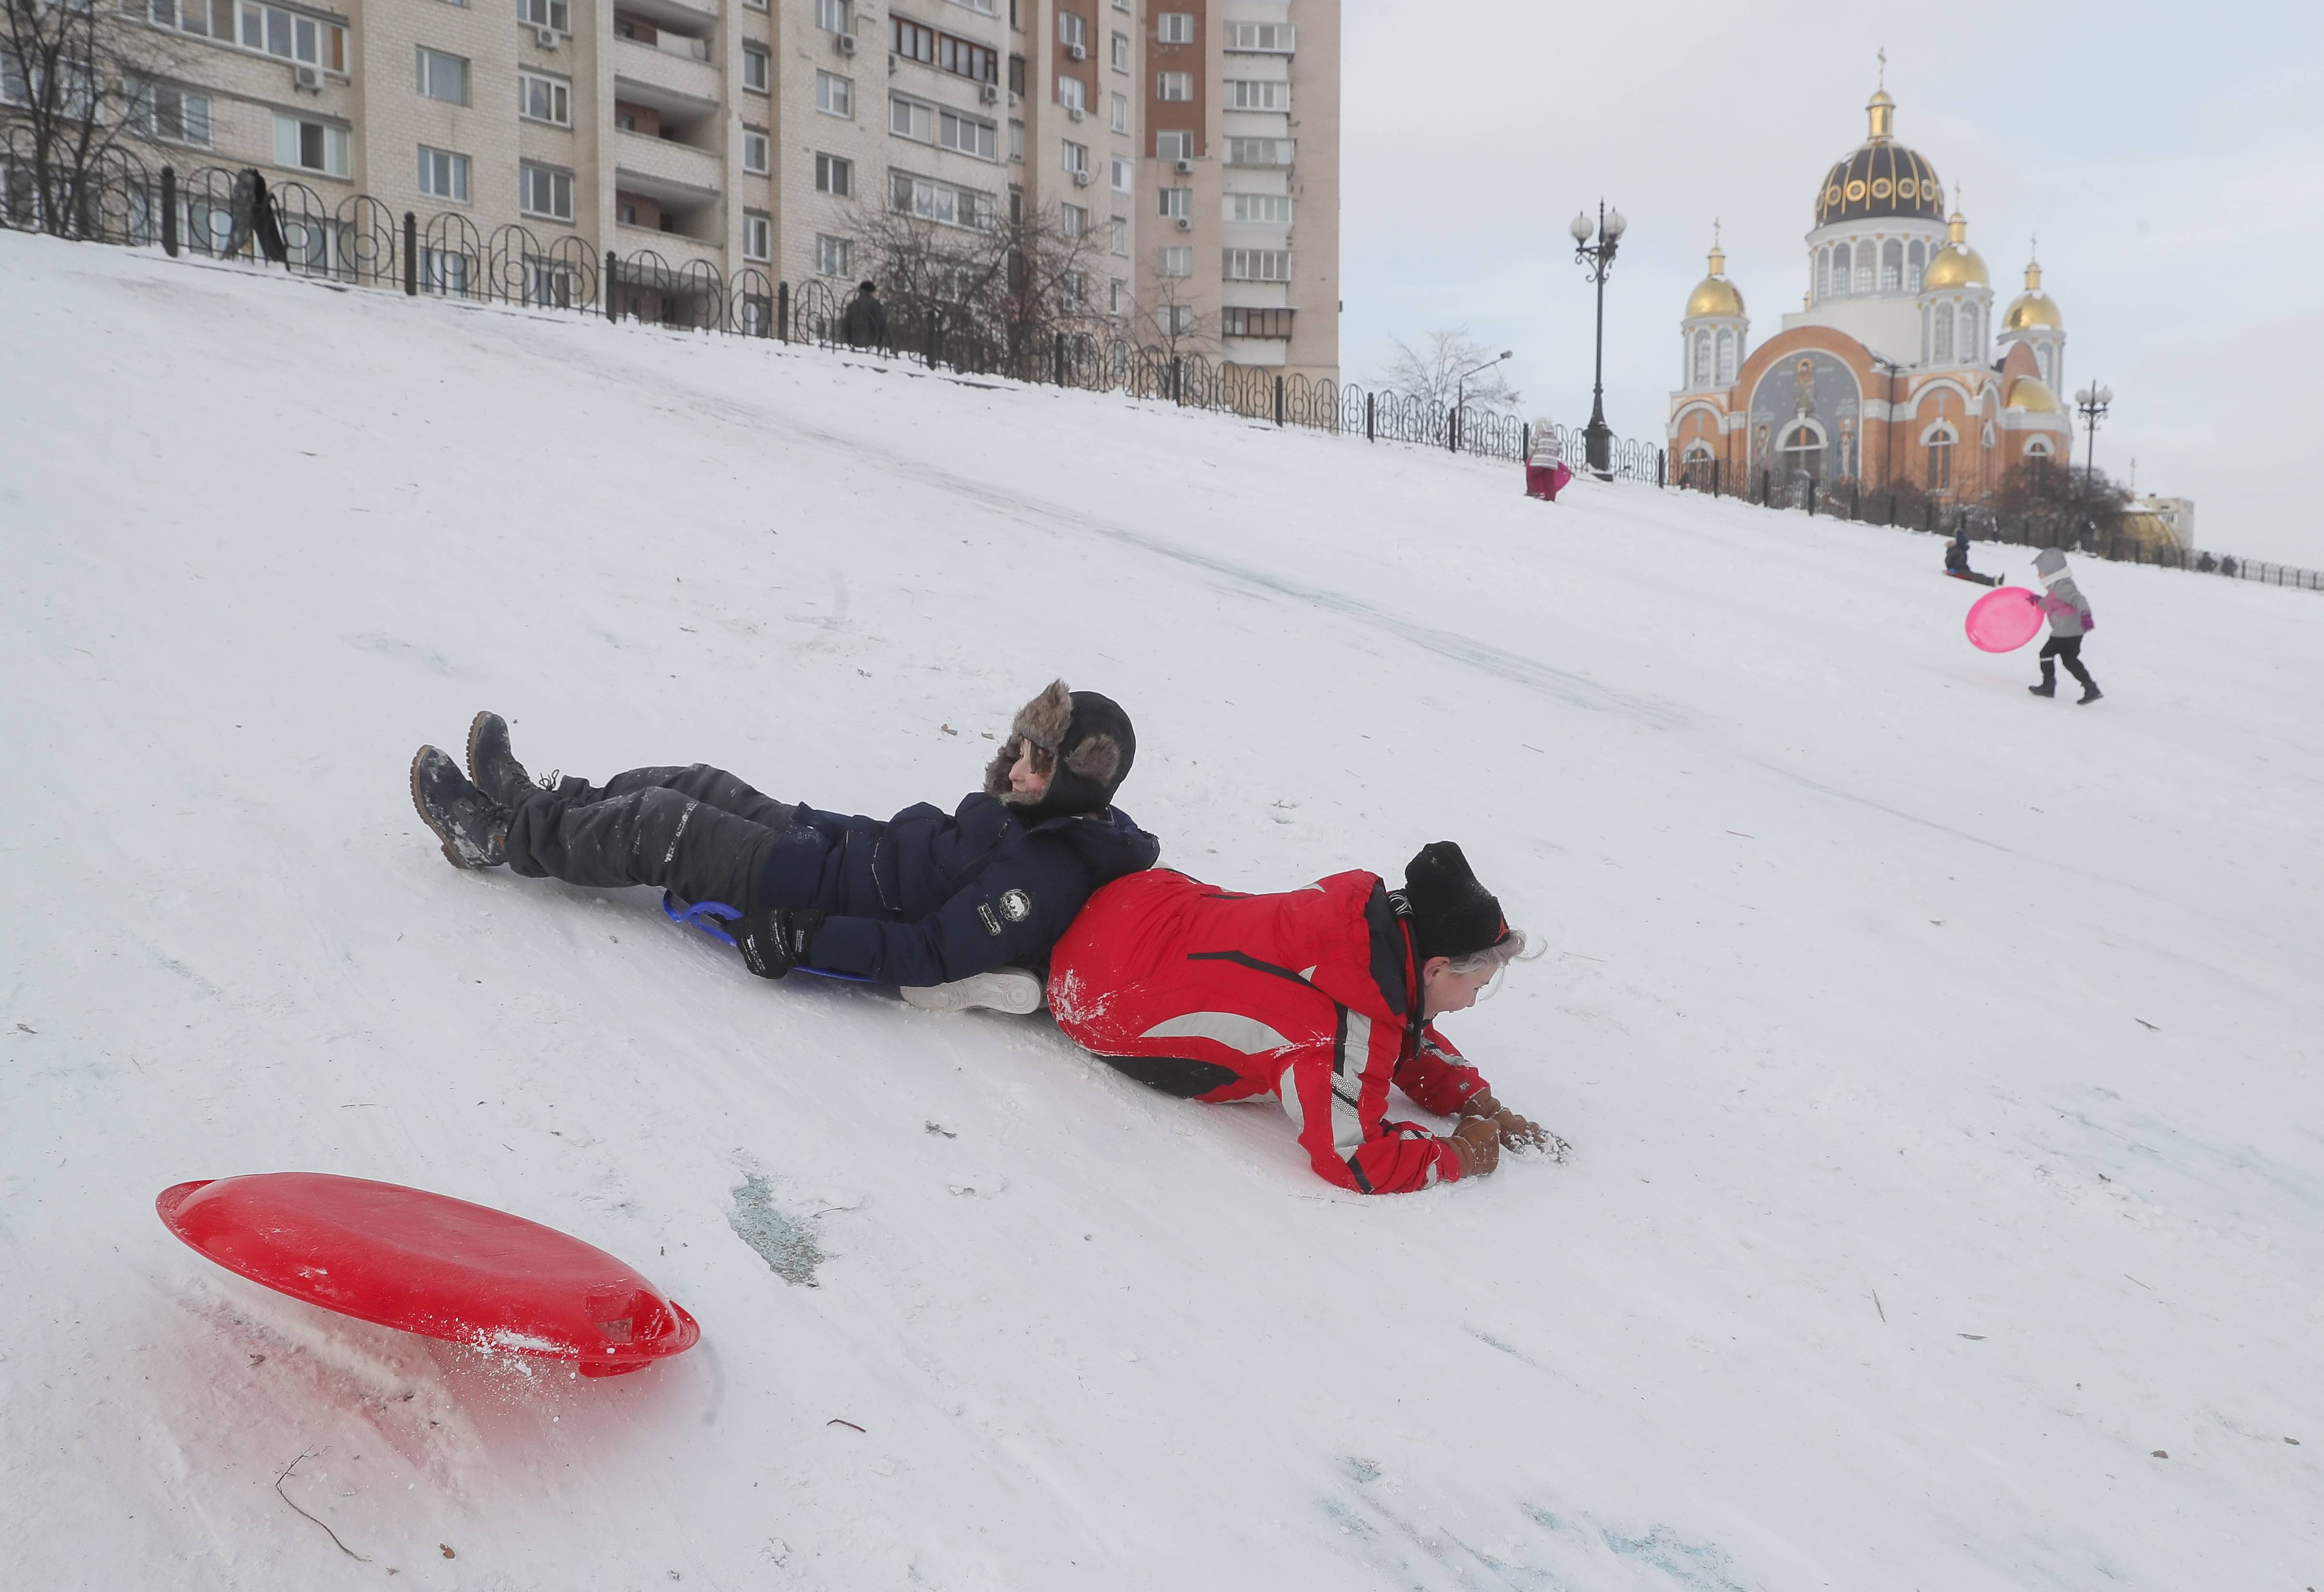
point(1869, 975)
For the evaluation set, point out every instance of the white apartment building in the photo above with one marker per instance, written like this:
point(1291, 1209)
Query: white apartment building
point(753, 136)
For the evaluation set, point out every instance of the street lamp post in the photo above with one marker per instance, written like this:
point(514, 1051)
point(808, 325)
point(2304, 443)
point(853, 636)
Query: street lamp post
point(2092, 403)
point(1461, 391)
point(1596, 260)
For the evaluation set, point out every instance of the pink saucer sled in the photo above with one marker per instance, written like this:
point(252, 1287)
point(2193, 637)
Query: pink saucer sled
point(428, 1263)
point(2003, 620)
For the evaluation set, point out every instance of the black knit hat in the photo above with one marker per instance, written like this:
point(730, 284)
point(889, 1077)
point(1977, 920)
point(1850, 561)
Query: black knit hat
point(1090, 745)
point(1452, 913)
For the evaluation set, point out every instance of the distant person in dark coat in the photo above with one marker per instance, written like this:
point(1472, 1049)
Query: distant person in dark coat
point(949, 907)
point(866, 322)
point(1957, 562)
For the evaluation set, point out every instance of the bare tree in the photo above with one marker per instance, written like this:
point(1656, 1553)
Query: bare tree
point(1431, 373)
point(1000, 290)
point(1169, 323)
point(75, 88)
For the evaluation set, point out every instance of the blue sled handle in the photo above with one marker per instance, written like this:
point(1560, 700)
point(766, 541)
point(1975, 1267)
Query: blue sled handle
point(708, 916)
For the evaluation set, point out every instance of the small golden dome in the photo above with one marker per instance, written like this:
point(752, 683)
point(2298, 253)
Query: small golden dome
point(1715, 294)
point(1956, 266)
point(2033, 307)
point(2032, 395)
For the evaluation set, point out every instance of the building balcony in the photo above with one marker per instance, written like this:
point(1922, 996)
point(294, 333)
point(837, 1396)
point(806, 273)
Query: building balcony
point(675, 247)
point(649, 74)
point(674, 173)
point(683, 17)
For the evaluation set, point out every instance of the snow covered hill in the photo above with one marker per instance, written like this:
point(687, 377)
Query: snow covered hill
point(1941, 1065)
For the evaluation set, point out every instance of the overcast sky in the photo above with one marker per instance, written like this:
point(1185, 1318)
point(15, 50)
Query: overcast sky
point(2170, 158)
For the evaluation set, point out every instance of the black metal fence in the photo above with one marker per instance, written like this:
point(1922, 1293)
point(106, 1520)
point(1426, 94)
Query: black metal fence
point(2063, 522)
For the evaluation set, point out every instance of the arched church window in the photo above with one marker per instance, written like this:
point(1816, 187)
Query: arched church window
point(1702, 359)
point(2042, 360)
point(1941, 351)
point(1892, 267)
point(2038, 448)
point(1726, 358)
point(1941, 462)
point(1924, 334)
point(1865, 267)
point(1840, 271)
point(1801, 453)
point(1915, 259)
point(1967, 332)
point(1823, 273)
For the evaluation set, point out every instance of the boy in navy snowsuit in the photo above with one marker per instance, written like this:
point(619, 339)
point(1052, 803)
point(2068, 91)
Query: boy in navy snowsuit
point(2069, 621)
point(950, 908)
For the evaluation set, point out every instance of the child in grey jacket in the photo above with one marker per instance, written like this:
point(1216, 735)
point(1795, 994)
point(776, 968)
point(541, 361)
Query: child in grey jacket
point(2069, 621)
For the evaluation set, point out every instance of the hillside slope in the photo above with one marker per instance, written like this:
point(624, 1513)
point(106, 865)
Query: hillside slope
point(1868, 975)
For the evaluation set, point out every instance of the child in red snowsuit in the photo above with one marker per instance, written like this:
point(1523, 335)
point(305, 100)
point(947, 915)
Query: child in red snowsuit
point(1322, 997)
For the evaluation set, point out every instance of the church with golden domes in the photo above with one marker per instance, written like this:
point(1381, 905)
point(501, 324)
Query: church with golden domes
point(1895, 371)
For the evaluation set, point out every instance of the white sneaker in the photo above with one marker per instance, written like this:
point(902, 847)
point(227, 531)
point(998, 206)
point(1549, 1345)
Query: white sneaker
point(1004, 989)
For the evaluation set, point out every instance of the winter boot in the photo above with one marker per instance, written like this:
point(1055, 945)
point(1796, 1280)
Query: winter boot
point(473, 826)
point(493, 767)
point(2049, 686)
point(2090, 694)
point(1003, 990)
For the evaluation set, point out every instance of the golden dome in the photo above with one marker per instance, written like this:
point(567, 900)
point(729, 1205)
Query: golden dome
point(1956, 266)
point(1715, 294)
point(2033, 307)
point(2032, 395)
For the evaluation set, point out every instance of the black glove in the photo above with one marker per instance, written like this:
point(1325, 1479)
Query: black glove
point(774, 939)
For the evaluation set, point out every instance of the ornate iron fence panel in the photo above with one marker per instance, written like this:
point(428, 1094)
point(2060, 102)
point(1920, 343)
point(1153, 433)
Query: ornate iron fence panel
point(367, 242)
point(452, 257)
point(750, 303)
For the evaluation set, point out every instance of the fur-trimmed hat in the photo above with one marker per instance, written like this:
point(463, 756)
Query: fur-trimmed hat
point(1089, 746)
point(1452, 915)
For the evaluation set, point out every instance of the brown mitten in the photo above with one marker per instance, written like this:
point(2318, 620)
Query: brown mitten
point(1477, 1141)
point(1519, 1133)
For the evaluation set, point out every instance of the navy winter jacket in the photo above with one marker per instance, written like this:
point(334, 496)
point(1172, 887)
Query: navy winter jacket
point(925, 899)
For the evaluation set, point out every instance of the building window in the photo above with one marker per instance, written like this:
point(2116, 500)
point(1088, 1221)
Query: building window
point(1173, 88)
point(911, 118)
point(1800, 453)
point(1822, 274)
point(755, 150)
point(443, 77)
point(542, 190)
point(1256, 94)
point(542, 98)
point(267, 30)
point(963, 58)
point(1173, 146)
point(1175, 320)
point(1121, 173)
point(971, 135)
point(1258, 265)
point(832, 255)
point(833, 175)
point(982, 7)
point(1122, 113)
point(1942, 352)
point(1016, 140)
point(1702, 376)
point(758, 236)
point(1915, 258)
point(1017, 76)
point(911, 41)
point(1177, 261)
point(310, 146)
point(754, 68)
point(831, 15)
point(1235, 321)
point(1941, 460)
point(1969, 338)
point(1839, 258)
point(1174, 27)
point(156, 110)
point(1259, 207)
point(1177, 202)
point(1073, 157)
point(1726, 358)
point(1073, 33)
point(1892, 267)
point(1120, 236)
point(1865, 267)
point(1073, 220)
point(2042, 358)
point(1116, 291)
point(1072, 94)
point(835, 96)
point(554, 15)
point(939, 201)
point(1261, 38)
point(443, 175)
point(1259, 151)
point(1121, 52)
point(444, 271)
point(1072, 287)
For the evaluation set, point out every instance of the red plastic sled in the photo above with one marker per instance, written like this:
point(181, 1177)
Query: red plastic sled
point(2003, 620)
point(428, 1263)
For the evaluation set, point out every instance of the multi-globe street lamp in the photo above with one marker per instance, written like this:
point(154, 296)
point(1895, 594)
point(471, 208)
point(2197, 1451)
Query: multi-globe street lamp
point(2092, 402)
point(1596, 260)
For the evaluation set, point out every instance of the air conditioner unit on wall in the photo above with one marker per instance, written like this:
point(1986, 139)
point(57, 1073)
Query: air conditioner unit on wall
point(1075, 113)
point(1080, 179)
point(311, 78)
point(846, 44)
point(545, 37)
point(1185, 224)
point(990, 94)
point(1077, 51)
point(1185, 168)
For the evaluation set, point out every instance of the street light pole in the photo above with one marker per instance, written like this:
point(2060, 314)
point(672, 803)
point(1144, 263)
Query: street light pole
point(1888, 464)
point(1461, 393)
point(2092, 402)
point(1596, 260)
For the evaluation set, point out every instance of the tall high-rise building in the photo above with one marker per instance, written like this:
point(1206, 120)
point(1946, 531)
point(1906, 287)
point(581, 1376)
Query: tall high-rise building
point(1197, 149)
